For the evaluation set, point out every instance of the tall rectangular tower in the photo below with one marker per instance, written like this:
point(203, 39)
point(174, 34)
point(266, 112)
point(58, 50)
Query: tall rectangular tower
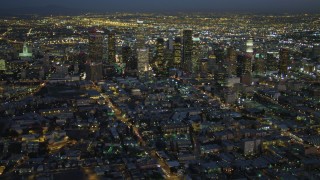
point(283, 62)
point(94, 63)
point(177, 52)
point(143, 61)
point(112, 47)
point(187, 50)
point(95, 45)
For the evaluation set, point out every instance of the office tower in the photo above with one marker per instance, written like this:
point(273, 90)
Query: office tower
point(126, 54)
point(283, 62)
point(168, 58)
point(187, 50)
point(220, 57)
point(132, 66)
point(177, 58)
point(231, 61)
point(272, 63)
point(220, 71)
point(195, 55)
point(94, 71)
point(204, 67)
point(111, 47)
point(94, 64)
point(244, 68)
point(25, 52)
point(82, 61)
point(159, 58)
point(259, 67)
point(129, 60)
point(249, 46)
point(170, 42)
point(140, 43)
point(143, 61)
point(244, 63)
point(95, 45)
point(220, 76)
point(211, 62)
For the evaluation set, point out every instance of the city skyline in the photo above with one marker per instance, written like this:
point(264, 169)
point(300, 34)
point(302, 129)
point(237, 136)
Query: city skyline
point(252, 6)
point(90, 92)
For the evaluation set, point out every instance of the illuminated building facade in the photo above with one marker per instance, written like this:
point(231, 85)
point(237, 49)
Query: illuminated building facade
point(140, 43)
point(249, 45)
point(111, 47)
point(159, 59)
point(25, 52)
point(195, 55)
point(187, 50)
point(143, 61)
point(177, 58)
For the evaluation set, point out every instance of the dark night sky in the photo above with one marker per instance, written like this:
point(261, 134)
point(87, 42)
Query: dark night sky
point(174, 5)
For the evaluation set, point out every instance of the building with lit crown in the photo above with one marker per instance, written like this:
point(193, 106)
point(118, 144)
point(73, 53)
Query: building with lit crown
point(25, 52)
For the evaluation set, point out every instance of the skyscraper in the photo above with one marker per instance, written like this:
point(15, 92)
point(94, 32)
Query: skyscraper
point(177, 52)
point(140, 44)
point(126, 54)
point(211, 62)
point(111, 47)
point(129, 60)
point(244, 65)
point(283, 62)
point(220, 71)
point(195, 54)
point(143, 61)
point(272, 63)
point(168, 58)
point(94, 63)
point(249, 46)
point(220, 57)
point(232, 61)
point(159, 58)
point(244, 68)
point(187, 50)
point(95, 45)
point(94, 71)
point(259, 67)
